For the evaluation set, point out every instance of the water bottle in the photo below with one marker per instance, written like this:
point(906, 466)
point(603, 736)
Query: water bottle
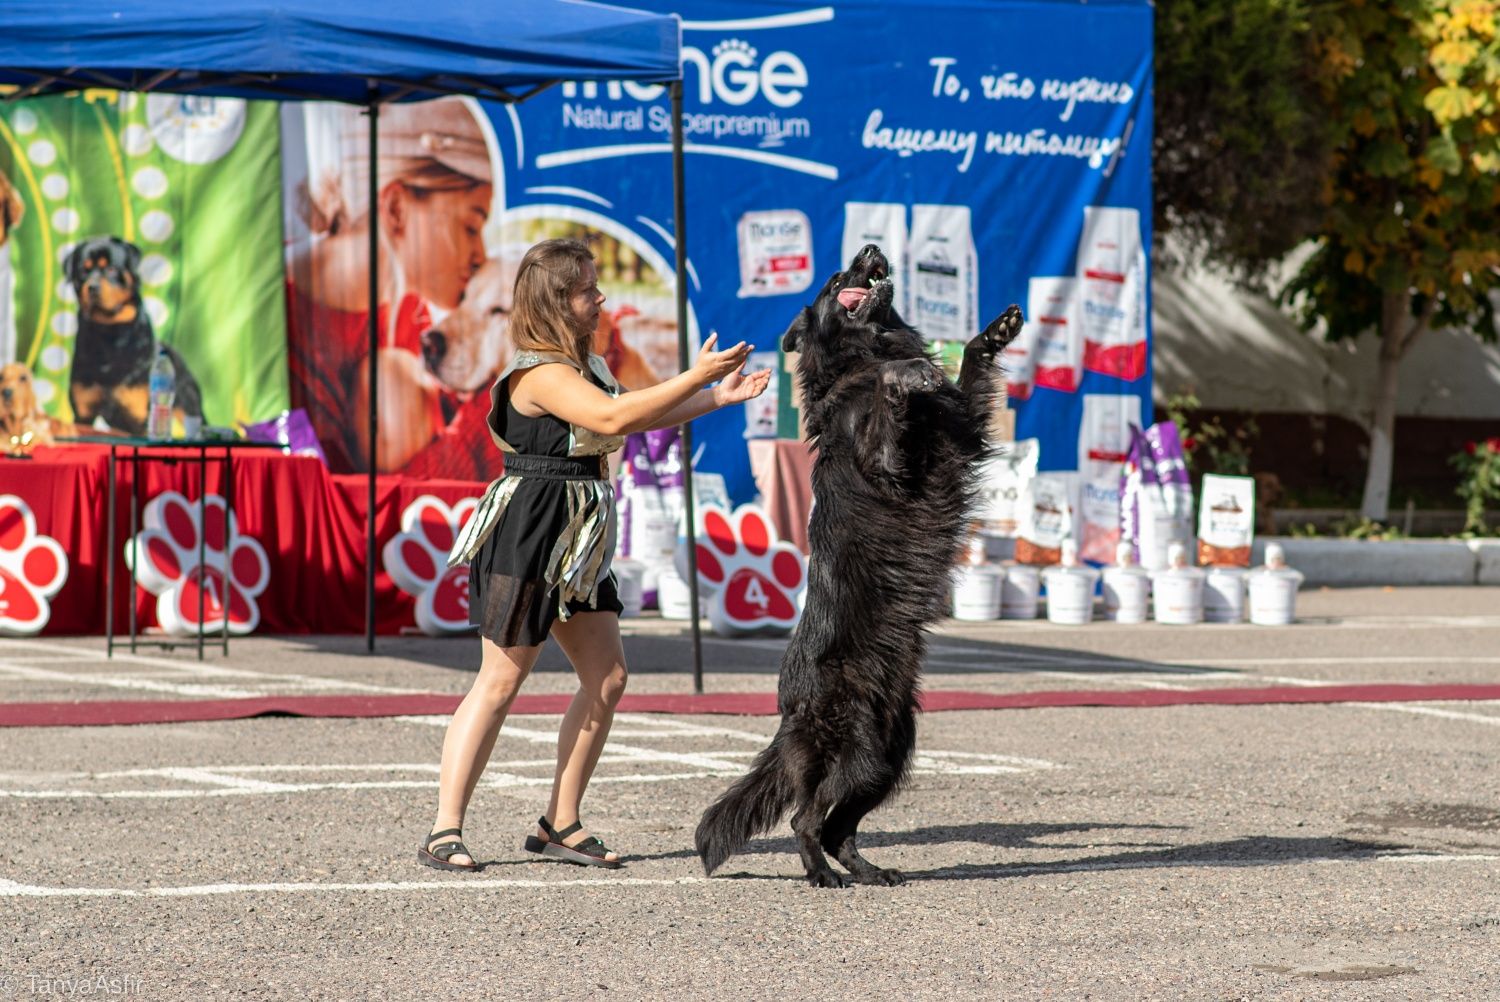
point(162, 388)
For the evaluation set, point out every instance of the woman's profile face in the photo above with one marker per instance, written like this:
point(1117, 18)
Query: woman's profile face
point(586, 298)
point(440, 242)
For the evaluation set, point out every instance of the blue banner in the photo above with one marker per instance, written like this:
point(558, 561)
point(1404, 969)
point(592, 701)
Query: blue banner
point(998, 151)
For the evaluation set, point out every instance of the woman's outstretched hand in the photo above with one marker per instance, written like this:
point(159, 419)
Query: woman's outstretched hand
point(713, 366)
point(737, 387)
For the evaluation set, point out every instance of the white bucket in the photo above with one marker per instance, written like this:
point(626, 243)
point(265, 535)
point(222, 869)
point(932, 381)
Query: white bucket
point(976, 592)
point(672, 595)
point(1273, 597)
point(1070, 594)
point(630, 582)
point(1127, 594)
point(1018, 592)
point(1224, 595)
point(1177, 596)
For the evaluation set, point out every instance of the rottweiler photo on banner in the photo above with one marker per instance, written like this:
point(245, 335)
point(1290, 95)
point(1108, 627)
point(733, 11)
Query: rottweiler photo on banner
point(130, 222)
point(450, 244)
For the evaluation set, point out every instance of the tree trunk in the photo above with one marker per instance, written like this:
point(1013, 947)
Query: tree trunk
point(1398, 330)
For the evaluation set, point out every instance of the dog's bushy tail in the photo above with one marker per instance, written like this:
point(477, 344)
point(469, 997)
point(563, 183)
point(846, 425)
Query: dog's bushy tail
point(749, 807)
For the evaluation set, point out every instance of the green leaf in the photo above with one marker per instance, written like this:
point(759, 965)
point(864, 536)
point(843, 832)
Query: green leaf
point(1443, 153)
point(1449, 104)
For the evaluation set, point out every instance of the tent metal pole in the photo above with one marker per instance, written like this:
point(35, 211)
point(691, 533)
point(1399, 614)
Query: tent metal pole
point(374, 372)
point(679, 212)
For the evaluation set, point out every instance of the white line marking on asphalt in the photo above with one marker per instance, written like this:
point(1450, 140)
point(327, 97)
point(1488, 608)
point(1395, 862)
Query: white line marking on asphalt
point(15, 889)
point(1478, 718)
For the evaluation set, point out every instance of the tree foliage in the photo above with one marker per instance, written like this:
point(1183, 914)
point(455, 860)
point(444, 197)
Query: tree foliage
point(1409, 238)
point(1242, 144)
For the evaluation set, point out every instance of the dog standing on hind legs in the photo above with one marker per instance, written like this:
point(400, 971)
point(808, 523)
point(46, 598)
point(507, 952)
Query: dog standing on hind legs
point(898, 450)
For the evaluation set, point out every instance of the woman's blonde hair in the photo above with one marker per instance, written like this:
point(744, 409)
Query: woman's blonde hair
point(541, 317)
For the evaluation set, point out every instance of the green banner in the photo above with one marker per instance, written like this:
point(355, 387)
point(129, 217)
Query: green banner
point(181, 197)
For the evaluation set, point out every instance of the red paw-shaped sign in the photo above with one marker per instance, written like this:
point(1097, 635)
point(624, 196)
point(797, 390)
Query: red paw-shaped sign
point(32, 569)
point(757, 581)
point(416, 559)
point(168, 565)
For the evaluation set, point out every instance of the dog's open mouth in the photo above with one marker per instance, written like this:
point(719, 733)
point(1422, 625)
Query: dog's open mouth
point(858, 301)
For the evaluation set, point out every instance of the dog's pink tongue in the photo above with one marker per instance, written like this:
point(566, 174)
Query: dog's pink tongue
point(850, 298)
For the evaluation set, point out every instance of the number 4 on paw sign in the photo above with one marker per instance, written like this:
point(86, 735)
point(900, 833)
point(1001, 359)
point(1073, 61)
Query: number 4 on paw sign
point(757, 582)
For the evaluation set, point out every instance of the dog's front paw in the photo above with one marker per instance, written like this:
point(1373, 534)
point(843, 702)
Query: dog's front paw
point(911, 375)
point(827, 877)
point(883, 878)
point(1000, 332)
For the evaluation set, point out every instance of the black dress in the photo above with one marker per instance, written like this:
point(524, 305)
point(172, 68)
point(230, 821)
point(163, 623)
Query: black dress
point(545, 553)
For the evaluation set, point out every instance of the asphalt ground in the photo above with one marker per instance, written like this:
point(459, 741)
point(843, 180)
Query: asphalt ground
point(1317, 851)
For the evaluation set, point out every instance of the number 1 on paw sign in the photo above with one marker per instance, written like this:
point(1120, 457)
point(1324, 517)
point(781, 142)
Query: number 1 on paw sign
point(755, 580)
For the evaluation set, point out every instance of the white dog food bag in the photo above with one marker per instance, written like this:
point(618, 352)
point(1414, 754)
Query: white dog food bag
point(1004, 481)
point(1099, 518)
point(1048, 516)
point(944, 273)
point(776, 254)
point(1226, 521)
point(882, 224)
point(1052, 314)
point(1112, 276)
point(1104, 435)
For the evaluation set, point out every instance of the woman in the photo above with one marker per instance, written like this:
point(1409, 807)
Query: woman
point(434, 193)
point(540, 541)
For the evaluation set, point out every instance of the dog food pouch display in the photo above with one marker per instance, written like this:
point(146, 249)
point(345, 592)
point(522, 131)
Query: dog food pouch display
point(1112, 280)
point(944, 273)
point(648, 529)
point(1047, 517)
point(882, 224)
point(760, 413)
point(775, 252)
point(1099, 517)
point(1104, 435)
point(1226, 521)
point(1004, 480)
point(1057, 341)
point(1156, 504)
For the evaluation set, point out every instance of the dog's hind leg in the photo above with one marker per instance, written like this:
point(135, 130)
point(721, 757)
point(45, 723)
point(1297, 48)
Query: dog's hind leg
point(815, 796)
point(839, 830)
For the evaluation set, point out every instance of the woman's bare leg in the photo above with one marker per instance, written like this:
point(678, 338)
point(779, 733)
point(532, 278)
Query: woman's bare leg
point(591, 641)
point(475, 727)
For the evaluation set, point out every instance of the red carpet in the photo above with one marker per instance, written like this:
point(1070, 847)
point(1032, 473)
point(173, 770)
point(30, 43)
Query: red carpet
point(751, 704)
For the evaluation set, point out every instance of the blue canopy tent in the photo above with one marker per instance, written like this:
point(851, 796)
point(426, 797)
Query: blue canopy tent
point(372, 52)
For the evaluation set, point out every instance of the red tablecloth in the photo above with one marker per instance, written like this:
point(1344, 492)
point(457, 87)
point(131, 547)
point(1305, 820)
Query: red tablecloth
point(311, 524)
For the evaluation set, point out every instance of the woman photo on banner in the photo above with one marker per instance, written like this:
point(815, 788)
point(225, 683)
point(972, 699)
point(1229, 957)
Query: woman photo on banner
point(436, 191)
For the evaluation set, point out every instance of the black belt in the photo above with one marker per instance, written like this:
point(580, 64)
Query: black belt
point(557, 467)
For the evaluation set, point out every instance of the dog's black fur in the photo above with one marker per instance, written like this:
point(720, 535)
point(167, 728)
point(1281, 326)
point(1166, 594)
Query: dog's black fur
point(116, 345)
point(898, 445)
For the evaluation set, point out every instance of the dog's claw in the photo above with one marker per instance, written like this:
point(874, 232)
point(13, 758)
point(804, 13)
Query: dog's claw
point(827, 877)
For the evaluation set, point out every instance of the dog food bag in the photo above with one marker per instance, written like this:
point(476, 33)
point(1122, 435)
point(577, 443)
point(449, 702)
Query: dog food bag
point(1156, 503)
point(760, 413)
point(1003, 481)
point(775, 252)
point(1104, 434)
point(882, 224)
point(1112, 277)
point(1047, 518)
point(1052, 314)
point(944, 273)
point(1099, 518)
point(1226, 521)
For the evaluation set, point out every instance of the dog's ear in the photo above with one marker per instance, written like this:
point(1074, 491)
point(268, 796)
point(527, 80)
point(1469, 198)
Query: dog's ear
point(73, 263)
point(132, 255)
point(792, 339)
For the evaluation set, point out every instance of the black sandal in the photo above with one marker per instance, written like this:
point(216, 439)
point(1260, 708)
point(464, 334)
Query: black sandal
point(437, 857)
point(589, 852)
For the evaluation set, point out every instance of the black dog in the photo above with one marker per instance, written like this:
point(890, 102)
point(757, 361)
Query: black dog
point(116, 345)
point(894, 484)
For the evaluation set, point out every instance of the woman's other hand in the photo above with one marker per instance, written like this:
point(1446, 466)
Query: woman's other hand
point(737, 387)
point(713, 366)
